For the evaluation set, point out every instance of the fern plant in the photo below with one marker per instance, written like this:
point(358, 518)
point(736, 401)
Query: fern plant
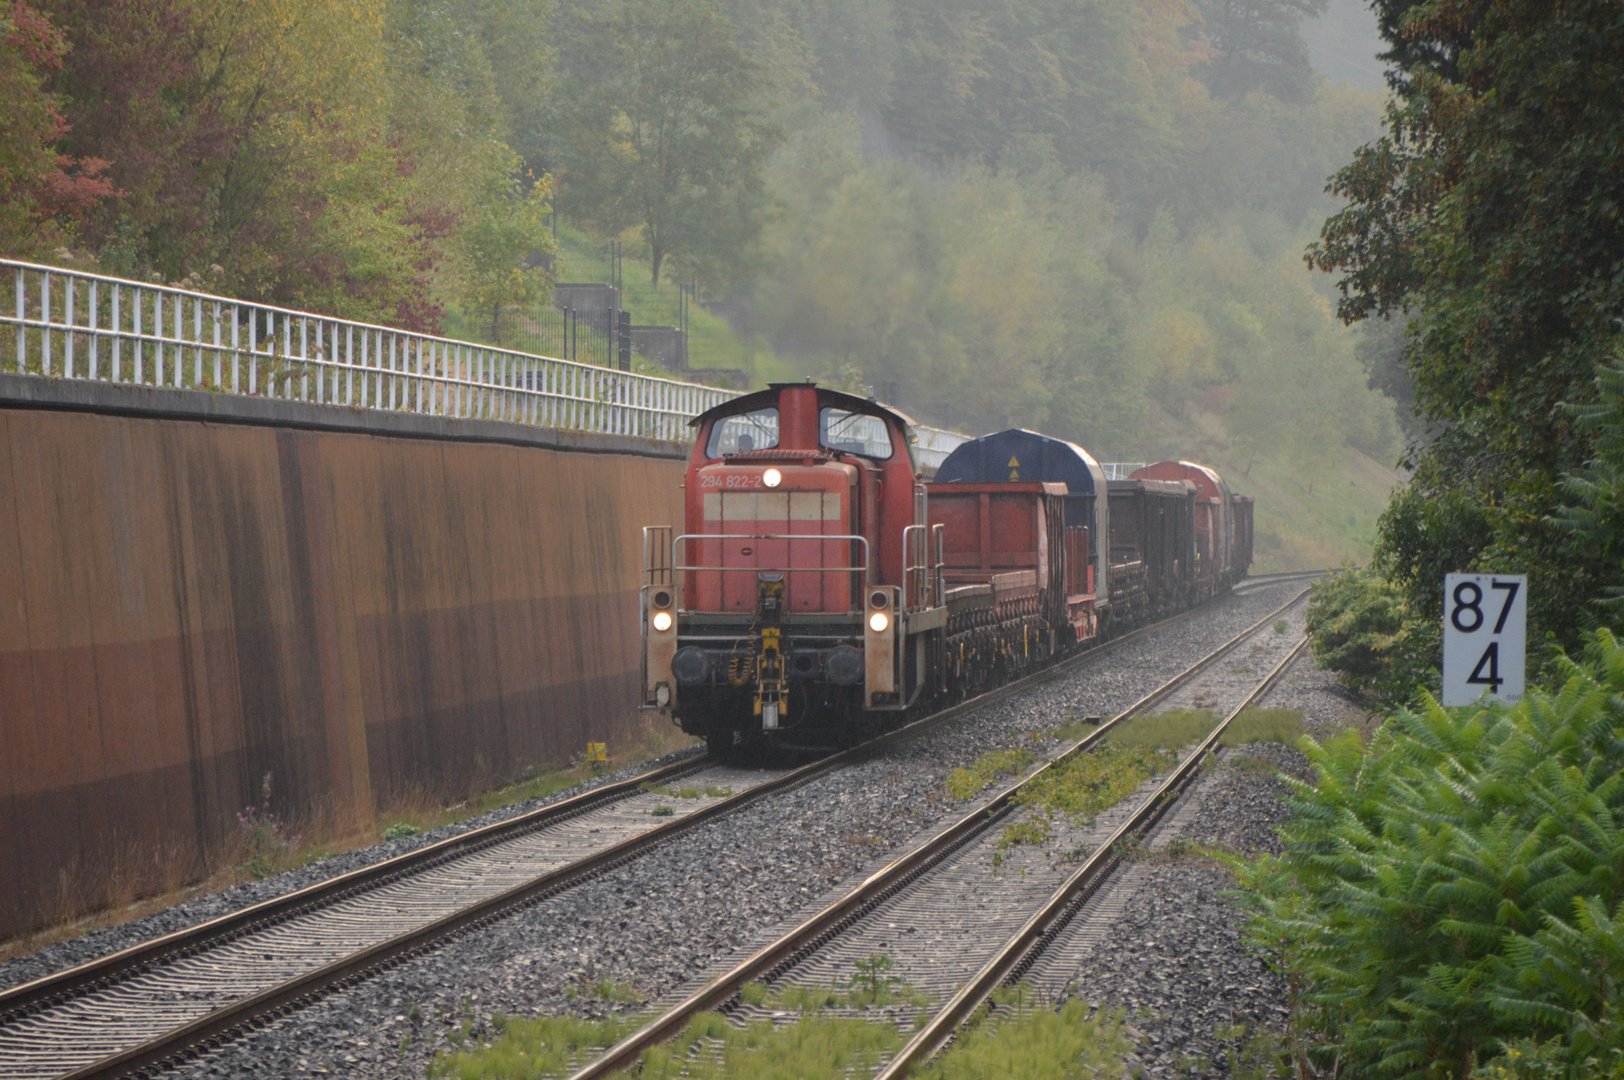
point(1596, 515)
point(1448, 901)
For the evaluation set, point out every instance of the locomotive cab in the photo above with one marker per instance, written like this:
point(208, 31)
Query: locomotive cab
point(798, 601)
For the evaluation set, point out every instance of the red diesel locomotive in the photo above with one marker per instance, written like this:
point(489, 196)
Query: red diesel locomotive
point(819, 588)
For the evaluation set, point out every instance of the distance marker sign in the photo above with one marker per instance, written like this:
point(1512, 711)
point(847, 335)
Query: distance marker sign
point(1485, 637)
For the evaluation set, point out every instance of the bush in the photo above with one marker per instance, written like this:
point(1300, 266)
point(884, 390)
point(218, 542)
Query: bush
point(1361, 626)
point(1448, 901)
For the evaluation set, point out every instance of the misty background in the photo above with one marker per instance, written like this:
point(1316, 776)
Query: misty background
point(1085, 217)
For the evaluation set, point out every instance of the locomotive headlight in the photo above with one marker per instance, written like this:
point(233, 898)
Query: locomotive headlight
point(661, 621)
point(878, 621)
point(772, 478)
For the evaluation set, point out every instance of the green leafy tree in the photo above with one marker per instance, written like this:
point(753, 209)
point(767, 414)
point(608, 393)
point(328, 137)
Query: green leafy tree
point(1487, 213)
point(1256, 45)
point(975, 80)
point(1594, 516)
point(509, 252)
point(663, 129)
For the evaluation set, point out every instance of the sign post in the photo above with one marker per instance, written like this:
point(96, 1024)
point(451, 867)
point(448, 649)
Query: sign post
point(1485, 637)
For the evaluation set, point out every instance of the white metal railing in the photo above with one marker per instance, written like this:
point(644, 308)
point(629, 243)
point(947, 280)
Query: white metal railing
point(73, 325)
point(935, 444)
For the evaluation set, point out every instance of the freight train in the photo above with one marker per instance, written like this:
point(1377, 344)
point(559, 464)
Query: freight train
point(820, 590)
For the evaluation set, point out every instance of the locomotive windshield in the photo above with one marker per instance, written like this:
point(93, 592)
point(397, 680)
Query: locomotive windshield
point(755, 430)
point(854, 433)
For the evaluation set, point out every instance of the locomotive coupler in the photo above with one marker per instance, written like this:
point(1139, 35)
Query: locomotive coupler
point(771, 686)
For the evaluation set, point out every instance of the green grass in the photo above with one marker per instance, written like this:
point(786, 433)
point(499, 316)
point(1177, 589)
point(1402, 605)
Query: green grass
point(1087, 783)
point(1181, 727)
point(1073, 730)
point(1034, 831)
point(963, 783)
point(869, 986)
point(530, 1049)
point(622, 993)
point(814, 1049)
point(1284, 726)
point(1037, 1044)
point(1165, 730)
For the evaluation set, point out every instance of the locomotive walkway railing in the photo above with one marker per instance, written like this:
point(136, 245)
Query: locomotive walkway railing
point(69, 324)
point(73, 325)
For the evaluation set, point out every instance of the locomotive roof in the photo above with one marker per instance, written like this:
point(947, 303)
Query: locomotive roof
point(769, 396)
point(1027, 455)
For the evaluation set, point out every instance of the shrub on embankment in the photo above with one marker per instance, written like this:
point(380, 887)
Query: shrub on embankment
point(1448, 902)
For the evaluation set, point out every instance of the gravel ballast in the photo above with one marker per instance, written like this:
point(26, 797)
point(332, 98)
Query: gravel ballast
point(660, 921)
point(1196, 994)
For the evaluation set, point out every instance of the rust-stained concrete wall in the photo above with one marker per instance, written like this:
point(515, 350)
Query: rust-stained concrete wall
point(188, 604)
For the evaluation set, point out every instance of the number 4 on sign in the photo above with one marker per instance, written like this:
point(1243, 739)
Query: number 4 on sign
point(1485, 637)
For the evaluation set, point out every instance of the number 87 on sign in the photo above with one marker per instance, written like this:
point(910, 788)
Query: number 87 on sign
point(1485, 637)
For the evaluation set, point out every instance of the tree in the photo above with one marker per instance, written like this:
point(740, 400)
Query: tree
point(508, 230)
point(1256, 45)
point(662, 128)
point(976, 79)
point(137, 92)
point(40, 188)
point(1488, 213)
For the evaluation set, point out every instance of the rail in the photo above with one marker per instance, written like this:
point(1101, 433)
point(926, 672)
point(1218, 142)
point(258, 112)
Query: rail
point(223, 1020)
point(863, 897)
point(931, 1036)
point(72, 325)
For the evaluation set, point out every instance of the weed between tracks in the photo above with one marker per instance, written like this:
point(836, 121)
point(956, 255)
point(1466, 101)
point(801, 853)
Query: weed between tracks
point(1029, 1040)
point(963, 783)
point(1132, 753)
point(1025, 1039)
point(1181, 727)
point(817, 1044)
point(709, 791)
point(543, 1046)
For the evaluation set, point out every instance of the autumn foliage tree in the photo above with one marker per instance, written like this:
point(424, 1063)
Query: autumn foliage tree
point(44, 193)
point(329, 154)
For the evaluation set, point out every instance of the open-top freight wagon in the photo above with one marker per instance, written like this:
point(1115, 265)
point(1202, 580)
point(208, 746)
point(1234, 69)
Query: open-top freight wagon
point(819, 589)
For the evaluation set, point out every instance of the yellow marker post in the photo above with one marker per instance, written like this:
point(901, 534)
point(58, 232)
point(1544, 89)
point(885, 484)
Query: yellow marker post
point(597, 753)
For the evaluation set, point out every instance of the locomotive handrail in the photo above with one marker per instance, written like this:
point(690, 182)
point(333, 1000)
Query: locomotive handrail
point(864, 568)
point(926, 592)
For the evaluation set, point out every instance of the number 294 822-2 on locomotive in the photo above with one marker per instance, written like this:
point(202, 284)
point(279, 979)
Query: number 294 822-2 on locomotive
point(819, 589)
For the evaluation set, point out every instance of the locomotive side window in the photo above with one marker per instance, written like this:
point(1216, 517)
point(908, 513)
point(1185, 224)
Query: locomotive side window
point(854, 433)
point(757, 430)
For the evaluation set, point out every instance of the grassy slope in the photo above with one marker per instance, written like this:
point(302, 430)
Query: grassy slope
point(1300, 525)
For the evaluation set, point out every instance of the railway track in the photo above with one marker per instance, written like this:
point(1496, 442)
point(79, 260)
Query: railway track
point(927, 910)
point(1252, 584)
point(151, 1006)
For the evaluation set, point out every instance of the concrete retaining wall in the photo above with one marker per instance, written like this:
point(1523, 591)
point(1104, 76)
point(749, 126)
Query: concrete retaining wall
point(198, 592)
